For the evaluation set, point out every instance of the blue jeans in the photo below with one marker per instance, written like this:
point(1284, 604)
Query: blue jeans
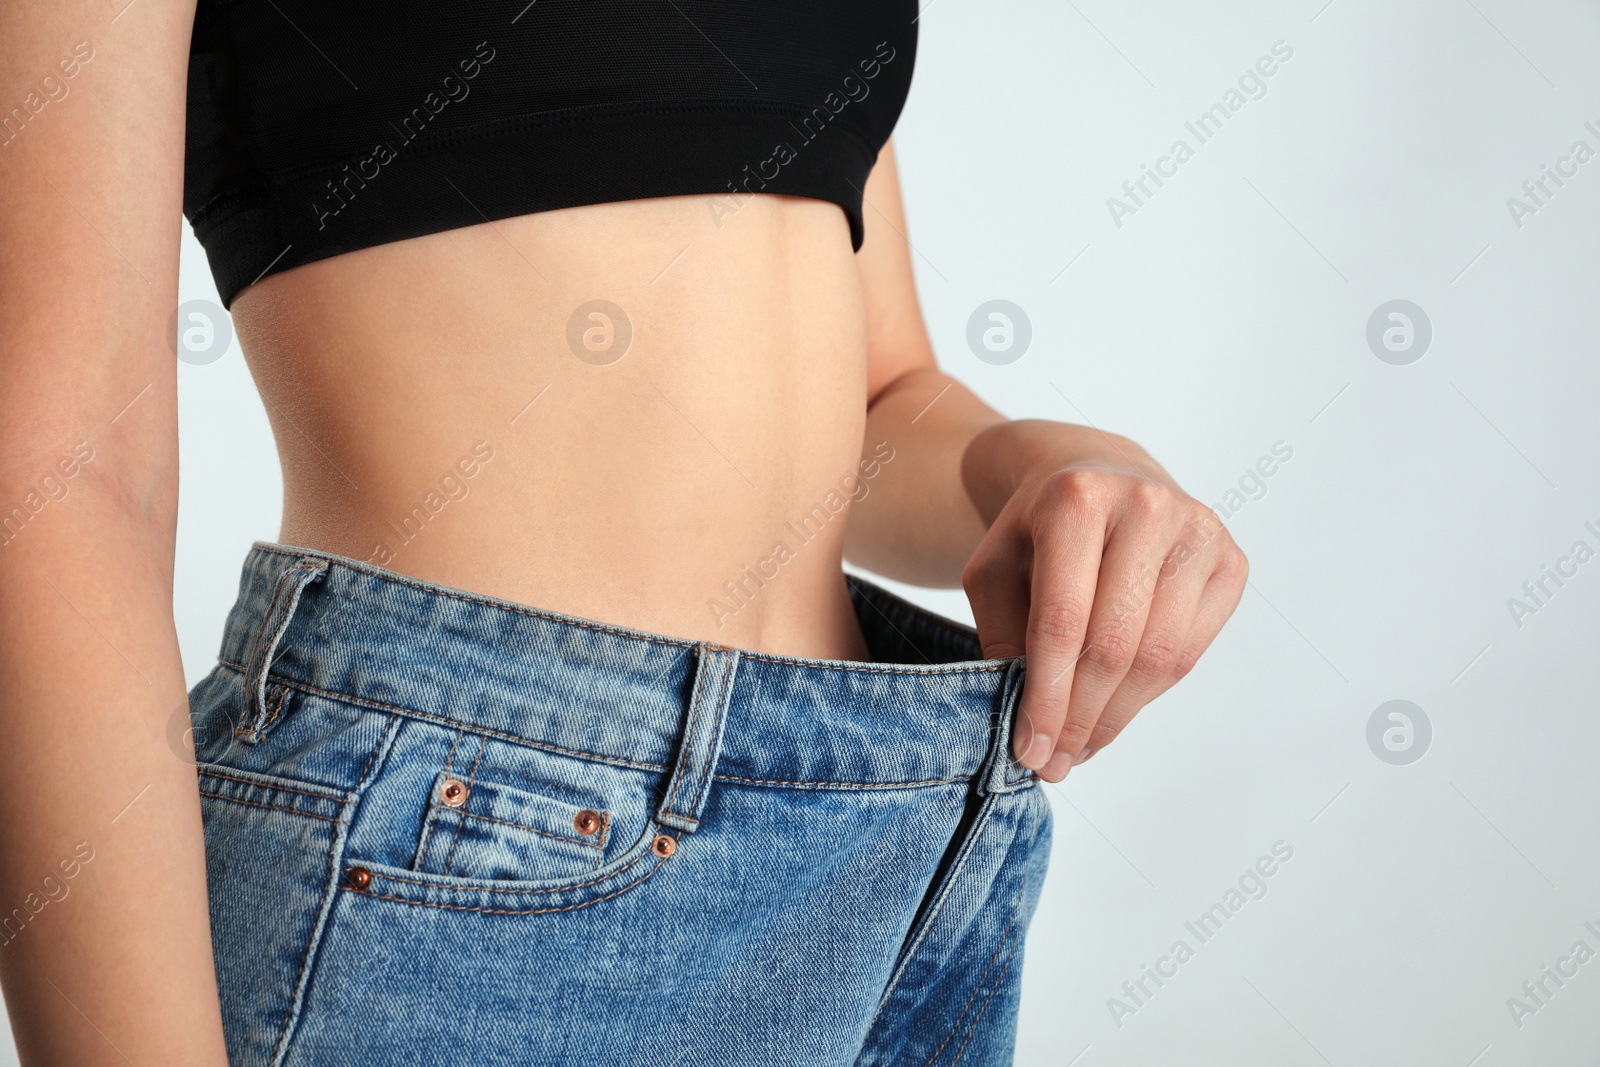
point(444, 829)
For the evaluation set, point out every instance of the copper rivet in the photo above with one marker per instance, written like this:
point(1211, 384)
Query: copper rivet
point(453, 793)
point(586, 822)
point(663, 846)
point(358, 879)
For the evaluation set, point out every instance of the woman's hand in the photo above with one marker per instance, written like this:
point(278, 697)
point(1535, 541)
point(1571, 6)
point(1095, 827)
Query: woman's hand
point(1089, 559)
point(1096, 566)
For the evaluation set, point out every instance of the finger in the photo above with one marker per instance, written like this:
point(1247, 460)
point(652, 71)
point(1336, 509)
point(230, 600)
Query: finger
point(1217, 604)
point(1129, 574)
point(1168, 634)
point(1065, 575)
point(996, 584)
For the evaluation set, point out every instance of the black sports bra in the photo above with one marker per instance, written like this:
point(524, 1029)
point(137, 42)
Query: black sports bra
point(316, 128)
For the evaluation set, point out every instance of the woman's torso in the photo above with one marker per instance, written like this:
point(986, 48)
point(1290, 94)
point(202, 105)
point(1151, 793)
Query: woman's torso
point(447, 398)
point(453, 407)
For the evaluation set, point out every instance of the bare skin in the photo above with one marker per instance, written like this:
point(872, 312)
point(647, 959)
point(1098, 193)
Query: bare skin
point(770, 367)
point(629, 491)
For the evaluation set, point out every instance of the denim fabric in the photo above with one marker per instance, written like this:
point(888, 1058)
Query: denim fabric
point(443, 829)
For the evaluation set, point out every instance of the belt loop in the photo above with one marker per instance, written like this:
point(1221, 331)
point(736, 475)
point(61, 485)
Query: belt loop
point(688, 787)
point(285, 598)
point(1001, 773)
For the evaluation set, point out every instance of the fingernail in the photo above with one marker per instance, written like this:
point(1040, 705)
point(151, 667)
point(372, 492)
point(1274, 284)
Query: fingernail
point(1057, 768)
point(1038, 751)
point(1021, 739)
point(1085, 754)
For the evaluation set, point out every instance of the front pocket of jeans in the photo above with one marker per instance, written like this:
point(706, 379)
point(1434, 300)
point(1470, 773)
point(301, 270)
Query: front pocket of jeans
point(489, 830)
point(629, 868)
point(508, 840)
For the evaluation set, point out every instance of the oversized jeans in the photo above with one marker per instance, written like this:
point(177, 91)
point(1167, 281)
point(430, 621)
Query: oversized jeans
point(452, 831)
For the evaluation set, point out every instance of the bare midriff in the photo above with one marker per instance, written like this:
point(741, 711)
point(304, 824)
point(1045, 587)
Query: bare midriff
point(439, 412)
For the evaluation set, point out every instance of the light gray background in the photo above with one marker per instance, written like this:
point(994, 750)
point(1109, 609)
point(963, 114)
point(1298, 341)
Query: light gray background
point(1227, 314)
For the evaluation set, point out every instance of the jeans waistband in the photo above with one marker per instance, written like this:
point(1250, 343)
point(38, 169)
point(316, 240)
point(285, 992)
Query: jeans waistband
point(927, 709)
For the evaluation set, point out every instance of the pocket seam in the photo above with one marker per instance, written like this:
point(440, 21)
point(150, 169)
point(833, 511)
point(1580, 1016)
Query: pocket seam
point(643, 852)
point(439, 892)
point(515, 911)
point(534, 830)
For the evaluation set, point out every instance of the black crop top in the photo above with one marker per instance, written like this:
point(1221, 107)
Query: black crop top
point(316, 128)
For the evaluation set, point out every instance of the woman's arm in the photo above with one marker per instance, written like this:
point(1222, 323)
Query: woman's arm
point(1074, 546)
point(105, 952)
